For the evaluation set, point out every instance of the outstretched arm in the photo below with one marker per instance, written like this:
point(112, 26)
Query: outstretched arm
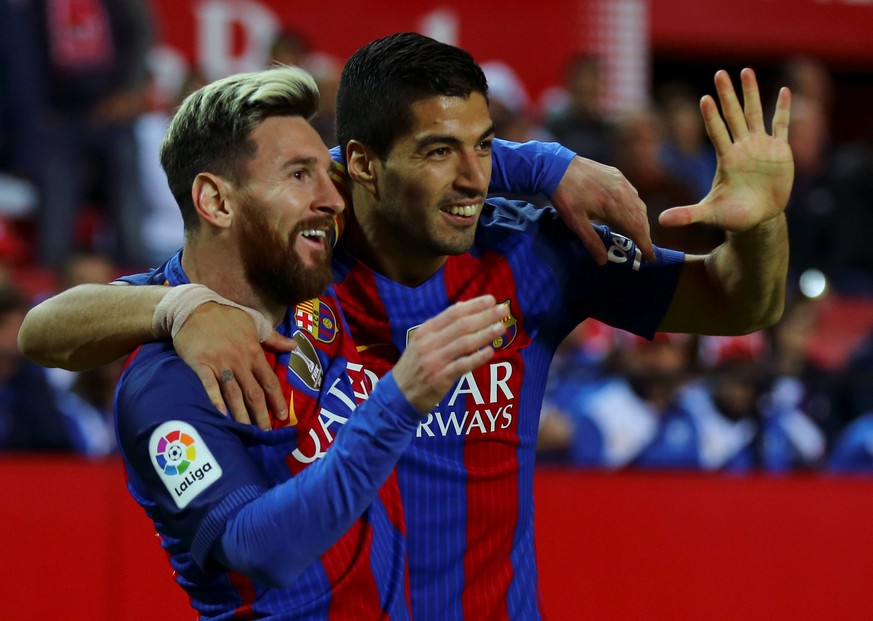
point(91, 325)
point(740, 286)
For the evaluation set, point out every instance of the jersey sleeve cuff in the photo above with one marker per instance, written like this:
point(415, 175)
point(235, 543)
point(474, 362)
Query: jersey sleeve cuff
point(391, 399)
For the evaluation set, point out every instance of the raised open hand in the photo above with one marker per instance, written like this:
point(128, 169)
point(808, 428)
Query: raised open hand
point(755, 169)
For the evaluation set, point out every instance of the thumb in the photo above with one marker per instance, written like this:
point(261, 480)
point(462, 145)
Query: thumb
point(683, 216)
point(278, 343)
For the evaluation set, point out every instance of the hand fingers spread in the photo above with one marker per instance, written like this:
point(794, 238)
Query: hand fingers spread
point(682, 216)
point(782, 115)
point(730, 105)
point(752, 101)
point(715, 127)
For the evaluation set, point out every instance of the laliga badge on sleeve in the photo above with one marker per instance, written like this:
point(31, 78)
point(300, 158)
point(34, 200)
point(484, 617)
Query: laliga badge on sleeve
point(182, 460)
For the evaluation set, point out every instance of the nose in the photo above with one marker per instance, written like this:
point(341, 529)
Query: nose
point(474, 172)
point(329, 200)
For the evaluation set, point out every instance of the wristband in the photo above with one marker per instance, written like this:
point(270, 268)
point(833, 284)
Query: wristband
point(181, 300)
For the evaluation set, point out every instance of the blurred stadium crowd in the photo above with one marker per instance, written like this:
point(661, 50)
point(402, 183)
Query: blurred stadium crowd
point(83, 199)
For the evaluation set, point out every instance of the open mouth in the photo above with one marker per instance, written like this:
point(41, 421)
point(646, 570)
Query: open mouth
point(316, 237)
point(464, 213)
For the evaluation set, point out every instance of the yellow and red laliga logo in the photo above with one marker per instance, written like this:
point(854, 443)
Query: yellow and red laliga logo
point(317, 318)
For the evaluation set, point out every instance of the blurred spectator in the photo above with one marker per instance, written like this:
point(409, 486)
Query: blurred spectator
point(30, 418)
point(22, 91)
point(162, 220)
point(580, 123)
point(639, 148)
point(93, 57)
point(87, 403)
point(692, 433)
point(853, 448)
point(798, 406)
point(809, 77)
point(725, 399)
point(852, 451)
point(813, 207)
point(630, 415)
point(686, 152)
point(601, 423)
point(511, 112)
point(87, 266)
point(85, 397)
point(290, 47)
point(510, 106)
point(858, 380)
point(851, 257)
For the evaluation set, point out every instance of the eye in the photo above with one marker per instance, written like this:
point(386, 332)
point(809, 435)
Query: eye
point(485, 145)
point(440, 152)
point(301, 174)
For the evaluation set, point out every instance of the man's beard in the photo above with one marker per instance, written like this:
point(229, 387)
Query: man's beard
point(272, 264)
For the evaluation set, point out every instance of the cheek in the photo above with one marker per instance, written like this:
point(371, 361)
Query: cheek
point(403, 193)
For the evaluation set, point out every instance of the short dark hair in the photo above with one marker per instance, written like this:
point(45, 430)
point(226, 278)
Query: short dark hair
point(382, 80)
point(211, 131)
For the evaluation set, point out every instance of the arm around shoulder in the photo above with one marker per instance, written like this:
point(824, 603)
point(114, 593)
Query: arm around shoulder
point(89, 325)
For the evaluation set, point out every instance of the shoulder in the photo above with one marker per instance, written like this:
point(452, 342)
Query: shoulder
point(156, 381)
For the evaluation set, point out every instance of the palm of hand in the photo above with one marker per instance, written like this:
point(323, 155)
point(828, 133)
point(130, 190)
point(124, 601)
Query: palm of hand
point(755, 169)
point(752, 182)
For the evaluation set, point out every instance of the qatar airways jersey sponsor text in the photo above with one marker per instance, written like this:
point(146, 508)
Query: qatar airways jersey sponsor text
point(473, 406)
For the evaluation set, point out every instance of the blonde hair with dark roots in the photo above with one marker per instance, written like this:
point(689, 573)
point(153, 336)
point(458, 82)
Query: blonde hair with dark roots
point(211, 130)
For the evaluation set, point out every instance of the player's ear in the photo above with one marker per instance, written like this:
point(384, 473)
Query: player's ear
point(209, 193)
point(363, 165)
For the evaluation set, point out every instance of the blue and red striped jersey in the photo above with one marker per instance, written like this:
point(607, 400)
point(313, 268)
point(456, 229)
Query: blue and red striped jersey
point(467, 477)
point(195, 471)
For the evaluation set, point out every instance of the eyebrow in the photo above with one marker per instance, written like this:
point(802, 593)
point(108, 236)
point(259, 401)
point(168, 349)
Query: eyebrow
point(450, 139)
point(298, 161)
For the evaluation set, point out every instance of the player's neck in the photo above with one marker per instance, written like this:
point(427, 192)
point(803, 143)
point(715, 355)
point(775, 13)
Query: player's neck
point(388, 253)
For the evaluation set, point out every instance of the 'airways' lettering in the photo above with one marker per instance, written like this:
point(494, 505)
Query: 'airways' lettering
point(476, 422)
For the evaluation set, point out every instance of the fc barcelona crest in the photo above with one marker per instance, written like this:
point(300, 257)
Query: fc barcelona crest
point(317, 318)
point(511, 324)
